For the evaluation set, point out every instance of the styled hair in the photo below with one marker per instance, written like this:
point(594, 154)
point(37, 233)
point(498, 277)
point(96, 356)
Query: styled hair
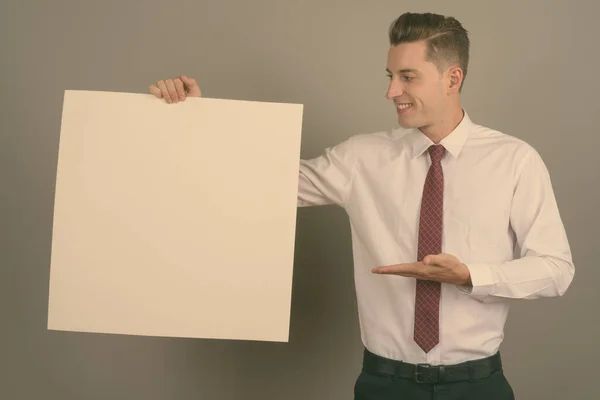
point(446, 39)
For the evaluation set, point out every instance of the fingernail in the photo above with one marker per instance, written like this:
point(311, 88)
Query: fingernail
point(182, 98)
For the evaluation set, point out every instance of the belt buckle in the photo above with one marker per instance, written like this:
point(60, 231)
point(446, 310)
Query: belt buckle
point(417, 372)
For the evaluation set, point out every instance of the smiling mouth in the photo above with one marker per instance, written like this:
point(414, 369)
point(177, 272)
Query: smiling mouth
point(403, 106)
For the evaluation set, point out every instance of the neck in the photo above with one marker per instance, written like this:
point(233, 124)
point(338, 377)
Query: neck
point(443, 126)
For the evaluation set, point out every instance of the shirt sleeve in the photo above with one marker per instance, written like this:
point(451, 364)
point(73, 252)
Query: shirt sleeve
point(545, 267)
point(326, 179)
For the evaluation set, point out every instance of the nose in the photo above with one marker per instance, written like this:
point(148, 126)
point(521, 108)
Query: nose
point(394, 90)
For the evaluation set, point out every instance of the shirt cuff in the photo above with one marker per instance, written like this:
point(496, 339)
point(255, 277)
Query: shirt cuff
point(482, 279)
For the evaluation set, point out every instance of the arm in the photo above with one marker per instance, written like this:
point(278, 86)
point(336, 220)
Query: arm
point(545, 267)
point(326, 179)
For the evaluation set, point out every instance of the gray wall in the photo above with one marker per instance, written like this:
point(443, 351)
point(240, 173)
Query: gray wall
point(533, 74)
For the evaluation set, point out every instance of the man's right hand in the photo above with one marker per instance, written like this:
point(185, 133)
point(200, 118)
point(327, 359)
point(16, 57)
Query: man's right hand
point(176, 90)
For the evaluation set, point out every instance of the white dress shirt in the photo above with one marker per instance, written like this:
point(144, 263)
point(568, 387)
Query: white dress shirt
point(500, 219)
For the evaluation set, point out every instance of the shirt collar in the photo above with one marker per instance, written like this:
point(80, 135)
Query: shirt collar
point(418, 143)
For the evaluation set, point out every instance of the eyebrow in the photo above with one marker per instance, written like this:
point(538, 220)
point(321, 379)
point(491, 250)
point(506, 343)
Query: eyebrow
point(405, 70)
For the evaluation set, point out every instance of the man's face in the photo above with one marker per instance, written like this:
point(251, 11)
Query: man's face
point(416, 86)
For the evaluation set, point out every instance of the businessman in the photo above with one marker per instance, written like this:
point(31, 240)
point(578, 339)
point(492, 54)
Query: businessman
point(450, 221)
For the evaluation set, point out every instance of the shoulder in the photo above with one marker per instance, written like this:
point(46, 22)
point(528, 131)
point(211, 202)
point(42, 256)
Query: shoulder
point(376, 138)
point(361, 145)
point(485, 139)
point(375, 141)
point(506, 152)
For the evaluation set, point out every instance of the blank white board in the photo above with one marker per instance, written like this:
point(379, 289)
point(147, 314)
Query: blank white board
point(174, 220)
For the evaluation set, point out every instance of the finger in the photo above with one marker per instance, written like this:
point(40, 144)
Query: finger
point(382, 270)
point(187, 80)
point(192, 88)
point(172, 90)
point(153, 89)
point(394, 269)
point(165, 92)
point(406, 274)
point(180, 89)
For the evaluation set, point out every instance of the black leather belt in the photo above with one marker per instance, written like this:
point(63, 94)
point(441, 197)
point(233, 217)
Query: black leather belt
point(425, 373)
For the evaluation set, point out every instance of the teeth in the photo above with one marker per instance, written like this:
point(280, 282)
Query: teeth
point(403, 106)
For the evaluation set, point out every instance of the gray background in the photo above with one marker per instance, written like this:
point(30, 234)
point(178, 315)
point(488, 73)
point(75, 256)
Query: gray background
point(533, 74)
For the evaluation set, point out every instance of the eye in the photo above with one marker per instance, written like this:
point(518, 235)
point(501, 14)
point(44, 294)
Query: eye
point(407, 78)
point(389, 76)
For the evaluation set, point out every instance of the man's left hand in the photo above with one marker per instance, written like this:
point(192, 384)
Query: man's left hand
point(440, 268)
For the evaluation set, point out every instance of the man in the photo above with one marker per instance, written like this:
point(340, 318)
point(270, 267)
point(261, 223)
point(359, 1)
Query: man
point(450, 220)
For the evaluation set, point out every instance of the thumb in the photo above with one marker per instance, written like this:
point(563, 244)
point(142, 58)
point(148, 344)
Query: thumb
point(437, 259)
point(191, 86)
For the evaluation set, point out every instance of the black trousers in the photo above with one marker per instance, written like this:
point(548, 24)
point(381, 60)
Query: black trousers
point(374, 386)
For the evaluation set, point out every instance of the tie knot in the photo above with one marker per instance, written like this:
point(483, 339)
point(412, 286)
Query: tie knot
point(436, 152)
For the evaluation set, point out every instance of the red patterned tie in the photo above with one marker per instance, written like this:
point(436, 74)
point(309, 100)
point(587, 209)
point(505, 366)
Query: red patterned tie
point(427, 300)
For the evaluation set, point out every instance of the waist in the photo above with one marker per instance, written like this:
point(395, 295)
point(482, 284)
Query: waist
point(425, 373)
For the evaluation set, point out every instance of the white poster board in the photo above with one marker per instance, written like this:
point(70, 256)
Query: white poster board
point(174, 220)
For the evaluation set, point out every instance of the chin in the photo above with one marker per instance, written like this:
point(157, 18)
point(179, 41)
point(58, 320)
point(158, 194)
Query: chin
point(407, 124)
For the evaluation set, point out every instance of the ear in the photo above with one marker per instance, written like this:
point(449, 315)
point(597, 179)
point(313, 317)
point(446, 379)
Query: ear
point(455, 78)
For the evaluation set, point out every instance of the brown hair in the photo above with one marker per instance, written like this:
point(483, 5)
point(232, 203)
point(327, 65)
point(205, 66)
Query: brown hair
point(447, 41)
